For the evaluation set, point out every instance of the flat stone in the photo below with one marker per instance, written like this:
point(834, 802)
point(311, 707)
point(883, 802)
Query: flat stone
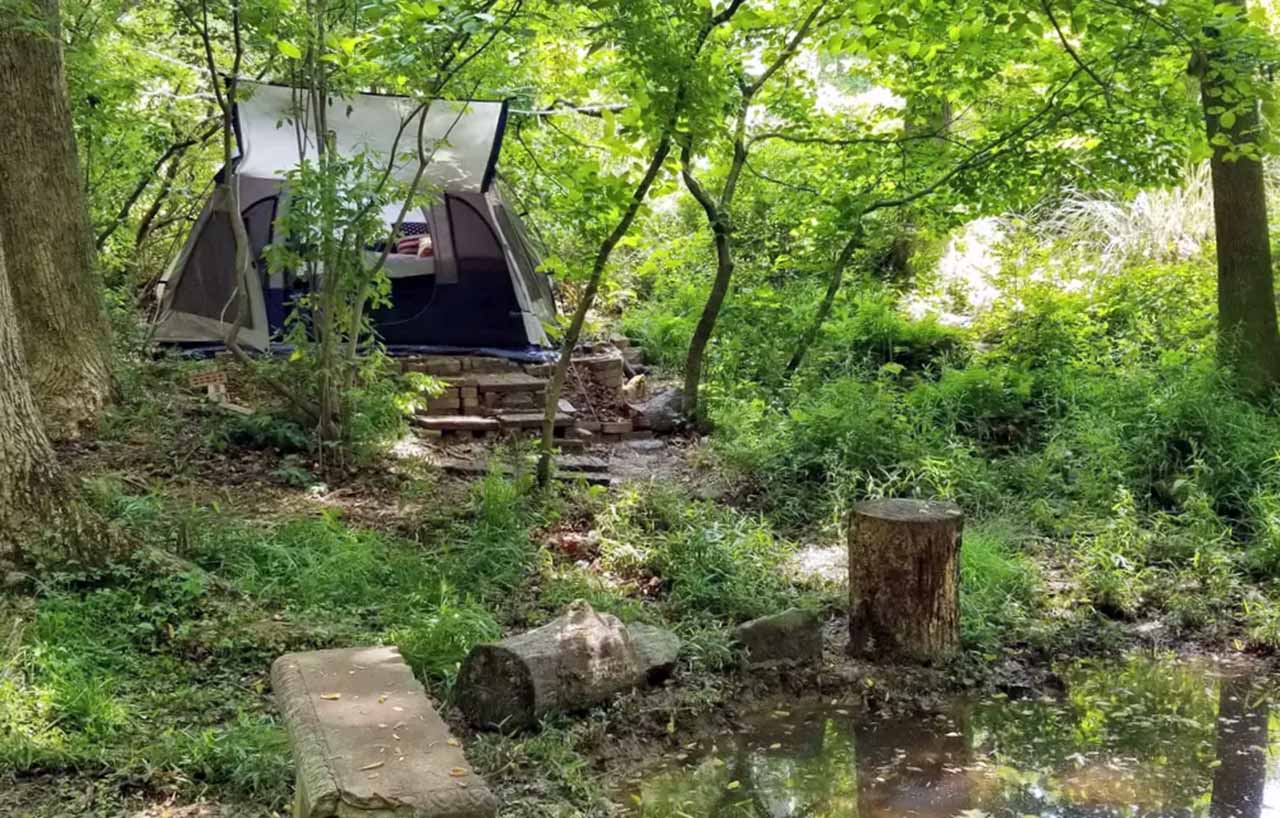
point(581, 463)
point(792, 637)
point(530, 420)
point(657, 649)
point(366, 740)
point(458, 423)
point(509, 382)
point(648, 444)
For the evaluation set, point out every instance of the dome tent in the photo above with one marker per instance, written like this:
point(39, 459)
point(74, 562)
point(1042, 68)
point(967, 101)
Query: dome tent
point(478, 288)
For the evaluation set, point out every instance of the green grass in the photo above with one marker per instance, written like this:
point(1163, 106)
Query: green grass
point(999, 586)
point(151, 671)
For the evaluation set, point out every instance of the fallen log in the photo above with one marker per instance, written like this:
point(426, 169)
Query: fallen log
point(577, 660)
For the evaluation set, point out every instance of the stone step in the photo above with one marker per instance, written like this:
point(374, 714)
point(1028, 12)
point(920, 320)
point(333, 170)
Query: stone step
point(531, 420)
point(582, 463)
point(476, 468)
point(502, 382)
point(366, 739)
point(457, 423)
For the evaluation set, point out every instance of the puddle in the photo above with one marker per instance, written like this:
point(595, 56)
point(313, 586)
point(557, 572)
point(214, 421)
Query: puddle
point(1136, 738)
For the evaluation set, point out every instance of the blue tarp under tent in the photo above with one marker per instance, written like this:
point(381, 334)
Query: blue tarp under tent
point(463, 270)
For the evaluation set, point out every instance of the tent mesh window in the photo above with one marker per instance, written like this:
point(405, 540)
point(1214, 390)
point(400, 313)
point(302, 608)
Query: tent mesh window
point(205, 289)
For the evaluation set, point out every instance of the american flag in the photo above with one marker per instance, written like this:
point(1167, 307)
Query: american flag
point(413, 236)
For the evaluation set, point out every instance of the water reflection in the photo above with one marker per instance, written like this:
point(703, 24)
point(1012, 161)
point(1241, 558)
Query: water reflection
point(1132, 739)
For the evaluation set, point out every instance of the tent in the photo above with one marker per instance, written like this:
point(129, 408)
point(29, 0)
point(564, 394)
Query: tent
point(476, 287)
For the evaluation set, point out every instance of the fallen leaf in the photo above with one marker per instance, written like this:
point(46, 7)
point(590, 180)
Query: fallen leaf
point(457, 772)
point(332, 697)
point(375, 765)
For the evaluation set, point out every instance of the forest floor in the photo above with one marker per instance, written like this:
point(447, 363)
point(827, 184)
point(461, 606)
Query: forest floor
point(141, 688)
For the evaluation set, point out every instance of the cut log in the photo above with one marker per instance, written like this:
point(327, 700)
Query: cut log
point(580, 659)
point(904, 576)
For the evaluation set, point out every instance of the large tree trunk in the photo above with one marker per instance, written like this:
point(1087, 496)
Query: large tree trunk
point(44, 221)
point(926, 123)
point(1247, 332)
point(904, 577)
point(27, 470)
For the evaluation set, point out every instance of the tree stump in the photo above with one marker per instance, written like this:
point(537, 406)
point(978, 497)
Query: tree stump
point(577, 660)
point(904, 576)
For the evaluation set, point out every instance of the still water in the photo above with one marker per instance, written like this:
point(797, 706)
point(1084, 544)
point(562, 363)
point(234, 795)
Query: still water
point(1141, 737)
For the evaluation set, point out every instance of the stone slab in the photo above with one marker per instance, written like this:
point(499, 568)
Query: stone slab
point(458, 423)
point(530, 420)
point(509, 382)
point(582, 463)
point(366, 740)
point(793, 637)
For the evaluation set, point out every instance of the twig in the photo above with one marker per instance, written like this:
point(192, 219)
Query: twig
point(1066, 44)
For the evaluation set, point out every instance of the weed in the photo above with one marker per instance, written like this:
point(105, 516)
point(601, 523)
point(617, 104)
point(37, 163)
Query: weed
point(999, 588)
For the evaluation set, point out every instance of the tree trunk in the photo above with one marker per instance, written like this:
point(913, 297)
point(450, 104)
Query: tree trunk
point(926, 123)
point(1247, 334)
point(44, 219)
point(556, 386)
point(718, 218)
point(578, 660)
point(27, 466)
point(904, 576)
point(1241, 775)
point(828, 300)
point(707, 323)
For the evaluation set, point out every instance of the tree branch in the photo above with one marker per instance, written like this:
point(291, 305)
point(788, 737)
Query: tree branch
point(1066, 44)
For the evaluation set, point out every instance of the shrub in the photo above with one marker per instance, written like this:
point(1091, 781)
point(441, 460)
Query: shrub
point(709, 559)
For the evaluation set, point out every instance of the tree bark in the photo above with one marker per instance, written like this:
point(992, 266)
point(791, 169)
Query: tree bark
point(556, 386)
point(1248, 339)
point(828, 301)
point(44, 221)
point(904, 577)
point(27, 463)
point(924, 132)
point(575, 661)
point(718, 218)
point(719, 213)
point(561, 371)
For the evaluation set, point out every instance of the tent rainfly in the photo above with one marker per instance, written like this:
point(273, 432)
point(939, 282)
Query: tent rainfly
point(463, 270)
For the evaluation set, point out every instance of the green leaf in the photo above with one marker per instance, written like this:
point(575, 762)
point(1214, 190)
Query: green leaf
point(289, 49)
